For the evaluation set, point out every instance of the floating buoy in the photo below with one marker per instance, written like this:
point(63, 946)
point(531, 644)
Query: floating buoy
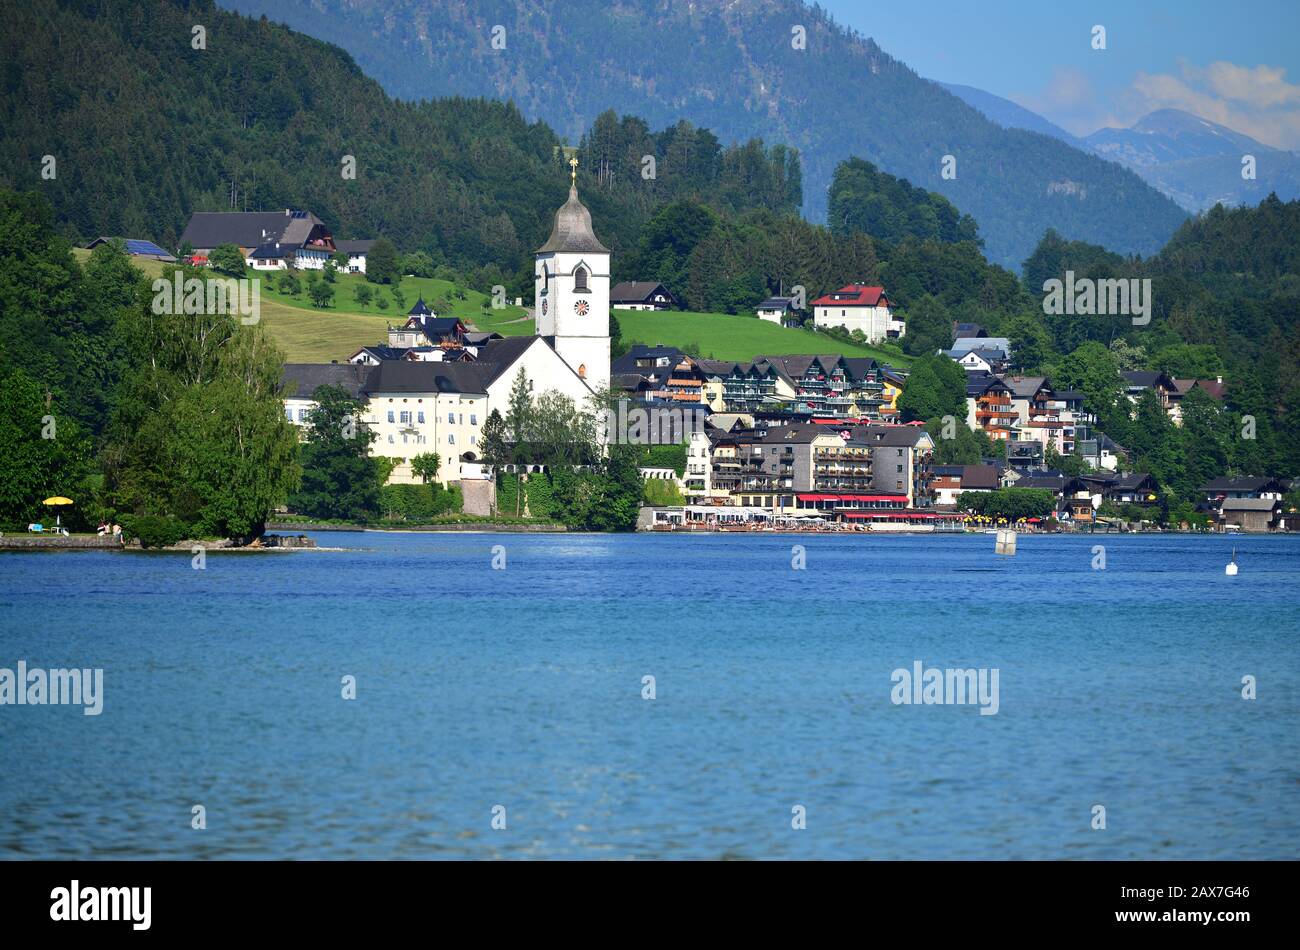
point(1006, 542)
point(1231, 569)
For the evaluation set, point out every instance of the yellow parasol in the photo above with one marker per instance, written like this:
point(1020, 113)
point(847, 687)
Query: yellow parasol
point(57, 500)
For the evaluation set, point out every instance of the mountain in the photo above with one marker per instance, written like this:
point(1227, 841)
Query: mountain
point(1198, 163)
point(1008, 114)
point(735, 67)
point(266, 118)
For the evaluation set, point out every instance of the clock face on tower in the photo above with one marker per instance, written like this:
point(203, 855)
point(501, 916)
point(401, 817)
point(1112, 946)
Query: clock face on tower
point(581, 308)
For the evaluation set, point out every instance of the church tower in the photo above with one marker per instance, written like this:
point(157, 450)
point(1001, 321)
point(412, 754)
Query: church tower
point(571, 290)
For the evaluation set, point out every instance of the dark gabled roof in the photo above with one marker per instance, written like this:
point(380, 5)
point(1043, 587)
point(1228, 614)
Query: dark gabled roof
point(272, 251)
point(717, 367)
point(1146, 379)
point(408, 376)
point(979, 476)
point(1244, 483)
point(419, 309)
point(497, 356)
point(888, 436)
point(382, 352)
point(960, 330)
point(776, 303)
point(301, 380)
point(571, 233)
point(354, 247)
point(244, 228)
point(637, 291)
point(977, 384)
point(859, 366)
point(1025, 387)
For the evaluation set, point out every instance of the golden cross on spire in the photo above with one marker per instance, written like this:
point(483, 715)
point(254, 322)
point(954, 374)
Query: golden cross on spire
point(573, 173)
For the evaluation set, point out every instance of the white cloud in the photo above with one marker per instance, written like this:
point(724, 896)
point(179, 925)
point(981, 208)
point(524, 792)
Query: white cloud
point(1255, 100)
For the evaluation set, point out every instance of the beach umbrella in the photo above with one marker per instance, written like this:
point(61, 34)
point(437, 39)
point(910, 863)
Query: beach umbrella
point(57, 501)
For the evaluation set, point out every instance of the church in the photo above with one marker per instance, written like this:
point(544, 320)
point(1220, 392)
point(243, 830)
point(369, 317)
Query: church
point(420, 406)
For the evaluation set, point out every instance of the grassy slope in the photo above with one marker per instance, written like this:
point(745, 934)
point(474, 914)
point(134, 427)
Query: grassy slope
point(309, 335)
point(723, 337)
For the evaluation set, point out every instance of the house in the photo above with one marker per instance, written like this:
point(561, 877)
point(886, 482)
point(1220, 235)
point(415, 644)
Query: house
point(949, 481)
point(302, 235)
point(659, 375)
point(356, 252)
point(136, 247)
point(1101, 452)
point(776, 310)
point(270, 256)
point(1137, 382)
point(859, 307)
point(988, 406)
point(962, 331)
point(642, 295)
point(1251, 514)
point(979, 359)
point(1214, 388)
point(901, 460)
point(1128, 488)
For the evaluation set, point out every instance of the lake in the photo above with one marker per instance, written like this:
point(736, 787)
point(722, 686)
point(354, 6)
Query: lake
point(516, 695)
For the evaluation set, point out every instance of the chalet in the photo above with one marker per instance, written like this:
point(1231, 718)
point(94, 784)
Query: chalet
point(776, 310)
point(270, 256)
point(979, 358)
point(136, 247)
point(1137, 382)
point(1220, 491)
point(659, 374)
point(642, 295)
point(859, 307)
point(988, 406)
point(300, 233)
point(356, 252)
point(1214, 388)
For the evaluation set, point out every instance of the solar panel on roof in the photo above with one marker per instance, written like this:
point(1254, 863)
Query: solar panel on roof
point(134, 246)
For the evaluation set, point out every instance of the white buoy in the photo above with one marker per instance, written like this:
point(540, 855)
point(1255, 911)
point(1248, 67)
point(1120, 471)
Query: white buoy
point(1231, 569)
point(1006, 542)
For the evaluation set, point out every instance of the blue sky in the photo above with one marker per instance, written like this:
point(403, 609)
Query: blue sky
point(1233, 63)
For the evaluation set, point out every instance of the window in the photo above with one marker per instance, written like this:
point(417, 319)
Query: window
point(580, 281)
point(582, 371)
point(451, 417)
point(302, 415)
point(390, 439)
point(473, 419)
point(420, 416)
point(451, 440)
point(288, 413)
point(390, 415)
point(473, 440)
point(406, 417)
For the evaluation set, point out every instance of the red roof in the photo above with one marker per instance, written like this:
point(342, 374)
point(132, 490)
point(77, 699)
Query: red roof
point(854, 295)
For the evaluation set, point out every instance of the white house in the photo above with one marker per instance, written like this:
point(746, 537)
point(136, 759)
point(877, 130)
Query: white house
point(859, 307)
point(775, 310)
point(356, 252)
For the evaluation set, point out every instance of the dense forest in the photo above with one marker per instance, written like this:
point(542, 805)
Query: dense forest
point(735, 68)
point(264, 117)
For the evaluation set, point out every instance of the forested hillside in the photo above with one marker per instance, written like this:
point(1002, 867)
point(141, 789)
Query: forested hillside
point(144, 130)
point(733, 67)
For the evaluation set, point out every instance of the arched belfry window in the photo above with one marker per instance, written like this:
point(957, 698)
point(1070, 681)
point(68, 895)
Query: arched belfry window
point(580, 281)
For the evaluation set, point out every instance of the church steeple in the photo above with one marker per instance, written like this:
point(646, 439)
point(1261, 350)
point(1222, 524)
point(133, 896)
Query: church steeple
point(572, 231)
point(572, 290)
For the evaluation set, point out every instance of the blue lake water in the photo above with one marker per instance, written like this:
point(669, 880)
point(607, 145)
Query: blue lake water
point(523, 688)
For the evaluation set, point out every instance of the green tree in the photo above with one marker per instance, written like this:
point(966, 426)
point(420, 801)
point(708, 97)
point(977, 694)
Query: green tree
point(935, 387)
point(425, 466)
point(43, 452)
point(382, 262)
point(339, 479)
point(362, 294)
point(321, 293)
point(228, 259)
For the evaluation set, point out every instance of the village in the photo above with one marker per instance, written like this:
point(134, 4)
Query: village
point(802, 442)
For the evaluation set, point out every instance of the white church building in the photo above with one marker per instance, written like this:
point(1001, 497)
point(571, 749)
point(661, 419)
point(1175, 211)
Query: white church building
point(418, 407)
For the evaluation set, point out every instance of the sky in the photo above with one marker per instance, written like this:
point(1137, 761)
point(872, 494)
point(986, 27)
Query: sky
point(1237, 64)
